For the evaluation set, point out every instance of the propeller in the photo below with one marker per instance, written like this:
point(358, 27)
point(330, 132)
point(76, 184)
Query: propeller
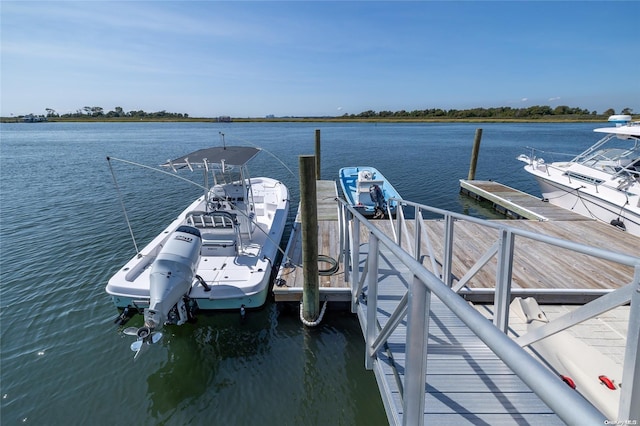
point(145, 337)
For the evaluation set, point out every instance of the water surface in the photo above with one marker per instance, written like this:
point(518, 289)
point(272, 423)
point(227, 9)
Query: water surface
point(63, 235)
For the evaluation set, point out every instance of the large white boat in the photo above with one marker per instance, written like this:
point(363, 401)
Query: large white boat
point(218, 254)
point(603, 182)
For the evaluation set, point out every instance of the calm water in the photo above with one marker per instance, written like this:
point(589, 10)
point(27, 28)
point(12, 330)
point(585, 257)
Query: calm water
point(63, 235)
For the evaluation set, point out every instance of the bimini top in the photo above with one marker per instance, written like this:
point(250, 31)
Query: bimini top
point(630, 130)
point(230, 155)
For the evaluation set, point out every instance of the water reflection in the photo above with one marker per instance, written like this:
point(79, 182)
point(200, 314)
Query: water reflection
point(201, 355)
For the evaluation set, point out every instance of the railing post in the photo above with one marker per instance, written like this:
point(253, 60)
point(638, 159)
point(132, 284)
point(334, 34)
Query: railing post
point(416, 353)
point(630, 398)
point(448, 250)
point(503, 281)
point(317, 154)
point(345, 250)
point(355, 262)
point(417, 235)
point(399, 223)
point(372, 300)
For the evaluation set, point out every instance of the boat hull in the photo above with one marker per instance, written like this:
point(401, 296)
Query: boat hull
point(237, 273)
point(248, 301)
point(586, 203)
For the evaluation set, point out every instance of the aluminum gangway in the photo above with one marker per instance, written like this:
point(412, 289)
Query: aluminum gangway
point(436, 359)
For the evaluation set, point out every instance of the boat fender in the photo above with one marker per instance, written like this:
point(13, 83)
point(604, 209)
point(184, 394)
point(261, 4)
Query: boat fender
point(607, 382)
point(619, 224)
point(569, 381)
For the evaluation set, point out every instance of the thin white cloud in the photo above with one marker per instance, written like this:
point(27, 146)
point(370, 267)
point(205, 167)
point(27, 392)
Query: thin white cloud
point(382, 56)
point(137, 16)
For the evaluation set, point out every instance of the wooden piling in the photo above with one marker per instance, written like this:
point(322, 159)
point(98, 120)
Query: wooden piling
point(309, 222)
point(474, 154)
point(318, 154)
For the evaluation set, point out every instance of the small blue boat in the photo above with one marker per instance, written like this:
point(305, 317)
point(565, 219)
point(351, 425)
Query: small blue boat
point(366, 189)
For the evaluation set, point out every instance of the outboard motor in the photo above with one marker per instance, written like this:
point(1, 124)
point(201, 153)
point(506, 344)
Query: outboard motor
point(171, 276)
point(377, 197)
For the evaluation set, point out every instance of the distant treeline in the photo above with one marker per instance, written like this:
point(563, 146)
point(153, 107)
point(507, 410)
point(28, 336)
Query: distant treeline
point(536, 112)
point(118, 112)
point(533, 112)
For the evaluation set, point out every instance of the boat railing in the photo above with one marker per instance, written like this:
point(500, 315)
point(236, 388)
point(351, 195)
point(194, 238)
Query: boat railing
point(406, 247)
point(540, 163)
point(215, 219)
point(536, 153)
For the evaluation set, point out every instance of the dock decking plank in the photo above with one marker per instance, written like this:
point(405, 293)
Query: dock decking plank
point(536, 265)
point(518, 202)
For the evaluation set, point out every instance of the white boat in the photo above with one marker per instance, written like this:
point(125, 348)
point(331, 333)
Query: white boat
point(219, 253)
point(368, 191)
point(603, 182)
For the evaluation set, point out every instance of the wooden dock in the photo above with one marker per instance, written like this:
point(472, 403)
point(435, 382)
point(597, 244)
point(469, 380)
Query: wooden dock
point(535, 265)
point(514, 203)
point(289, 282)
point(466, 383)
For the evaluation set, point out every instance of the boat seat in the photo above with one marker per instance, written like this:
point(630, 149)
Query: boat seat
point(363, 186)
point(218, 244)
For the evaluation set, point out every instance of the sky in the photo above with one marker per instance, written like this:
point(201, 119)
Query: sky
point(308, 58)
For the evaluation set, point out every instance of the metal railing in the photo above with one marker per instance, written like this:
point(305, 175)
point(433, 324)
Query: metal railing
point(564, 401)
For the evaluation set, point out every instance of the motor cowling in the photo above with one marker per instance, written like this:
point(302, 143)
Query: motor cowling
point(172, 273)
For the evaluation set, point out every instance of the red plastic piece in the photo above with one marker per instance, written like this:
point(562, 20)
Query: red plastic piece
point(607, 382)
point(568, 380)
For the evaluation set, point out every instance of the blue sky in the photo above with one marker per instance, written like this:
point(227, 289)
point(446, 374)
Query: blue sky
point(251, 59)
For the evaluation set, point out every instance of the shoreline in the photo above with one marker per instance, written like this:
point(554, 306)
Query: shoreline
point(323, 120)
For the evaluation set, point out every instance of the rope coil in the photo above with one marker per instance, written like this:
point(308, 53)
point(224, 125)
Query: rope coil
point(318, 320)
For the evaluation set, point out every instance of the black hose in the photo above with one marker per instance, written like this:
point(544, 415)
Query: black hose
point(331, 261)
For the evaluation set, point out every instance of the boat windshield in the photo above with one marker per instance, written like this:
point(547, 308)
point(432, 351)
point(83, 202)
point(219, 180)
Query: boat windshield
point(224, 174)
point(613, 154)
